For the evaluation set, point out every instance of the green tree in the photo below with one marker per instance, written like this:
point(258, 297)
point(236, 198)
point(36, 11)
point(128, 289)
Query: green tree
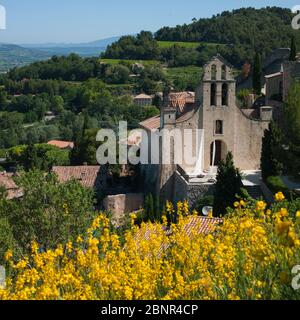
point(49, 212)
point(117, 74)
point(293, 53)
point(292, 114)
point(85, 148)
point(149, 208)
point(257, 73)
point(271, 145)
point(228, 185)
point(6, 237)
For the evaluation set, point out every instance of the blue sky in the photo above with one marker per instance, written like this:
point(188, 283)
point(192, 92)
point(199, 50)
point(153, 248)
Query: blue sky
point(39, 21)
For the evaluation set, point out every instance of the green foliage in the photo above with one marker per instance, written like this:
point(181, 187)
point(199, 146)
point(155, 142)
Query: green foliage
point(117, 74)
point(142, 47)
point(152, 208)
point(70, 68)
point(293, 53)
point(85, 148)
point(245, 31)
point(257, 74)
point(184, 78)
point(291, 117)
point(49, 212)
point(242, 96)
point(173, 53)
point(207, 201)
point(169, 44)
point(292, 114)
point(39, 156)
point(228, 185)
point(271, 152)
point(7, 241)
point(276, 184)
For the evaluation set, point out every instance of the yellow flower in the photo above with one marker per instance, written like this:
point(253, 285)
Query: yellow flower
point(284, 212)
point(242, 203)
point(298, 214)
point(8, 255)
point(261, 206)
point(279, 196)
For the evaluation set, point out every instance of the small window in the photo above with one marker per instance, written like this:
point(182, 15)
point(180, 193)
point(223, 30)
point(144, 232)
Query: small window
point(219, 127)
point(224, 72)
point(213, 93)
point(225, 94)
point(213, 72)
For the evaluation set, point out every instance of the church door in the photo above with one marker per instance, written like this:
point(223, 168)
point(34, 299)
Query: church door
point(216, 153)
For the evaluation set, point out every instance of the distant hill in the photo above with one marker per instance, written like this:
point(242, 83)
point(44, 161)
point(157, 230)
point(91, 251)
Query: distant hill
point(85, 49)
point(244, 31)
point(93, 44)
point(14, 56)
point(237, 35)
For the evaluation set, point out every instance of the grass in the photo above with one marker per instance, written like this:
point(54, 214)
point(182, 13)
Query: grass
point(118, 61)
point(192, 45)
point(190, 76)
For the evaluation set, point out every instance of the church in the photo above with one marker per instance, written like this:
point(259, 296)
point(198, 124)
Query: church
point(226, 128)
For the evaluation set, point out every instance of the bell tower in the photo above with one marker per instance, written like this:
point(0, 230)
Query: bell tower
point(216, 98)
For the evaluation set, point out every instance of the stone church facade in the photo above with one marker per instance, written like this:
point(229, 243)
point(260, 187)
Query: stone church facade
point(226, 128)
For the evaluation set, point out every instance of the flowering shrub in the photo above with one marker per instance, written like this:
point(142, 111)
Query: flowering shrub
point(249, 256)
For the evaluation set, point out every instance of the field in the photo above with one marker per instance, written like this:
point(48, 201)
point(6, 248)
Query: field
point(118, 61)
point(182, 75)
point(192, 45)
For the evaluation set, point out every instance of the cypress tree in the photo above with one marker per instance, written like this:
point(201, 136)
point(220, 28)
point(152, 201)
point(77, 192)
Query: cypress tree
point(228, 185)
point(293, 53)
point(257, 73)
point(270, 165)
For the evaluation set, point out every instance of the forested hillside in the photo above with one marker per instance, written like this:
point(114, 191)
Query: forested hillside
point(237, 35)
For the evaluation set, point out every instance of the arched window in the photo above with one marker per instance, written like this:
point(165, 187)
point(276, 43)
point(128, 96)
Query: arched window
point(213, 92)
point(224, 72)
point(213, 72)
point(225, 94)
point(219, 127)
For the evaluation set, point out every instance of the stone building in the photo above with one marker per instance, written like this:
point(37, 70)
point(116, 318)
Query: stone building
point(225, 128)
point(279, 83)
point(142, 100)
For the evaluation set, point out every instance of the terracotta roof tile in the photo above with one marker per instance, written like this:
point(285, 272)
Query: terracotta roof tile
point(151, 124)
point(6, 181)
point(87, 175)
point(195, 225)
point(181, 99)
point(62, 144)
point(143, 96)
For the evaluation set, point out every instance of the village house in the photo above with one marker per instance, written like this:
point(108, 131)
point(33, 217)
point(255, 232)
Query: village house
point(88, 176)
point(142, 100)
point(61, 144)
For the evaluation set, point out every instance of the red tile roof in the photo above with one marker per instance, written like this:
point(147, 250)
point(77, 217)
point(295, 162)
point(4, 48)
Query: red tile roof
point(195, 225)
point(180, 100)
point(6, 181)
point(183, 101)
point(87, 175)
point(142, 96)
point(151, 124)
point(62, 144)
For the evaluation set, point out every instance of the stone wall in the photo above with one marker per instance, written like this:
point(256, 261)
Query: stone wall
point(191, 192)
point(122, 204)
point(198, 191)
